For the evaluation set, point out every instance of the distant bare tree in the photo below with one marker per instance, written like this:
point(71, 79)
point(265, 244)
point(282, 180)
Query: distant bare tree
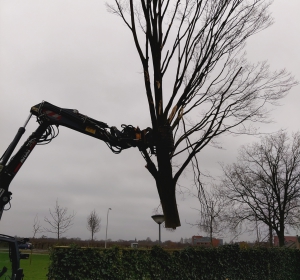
point(212, 215)
point(37, 227)
point(197, 81)
point(93, 223)
point(264, 186)
point(60, 221)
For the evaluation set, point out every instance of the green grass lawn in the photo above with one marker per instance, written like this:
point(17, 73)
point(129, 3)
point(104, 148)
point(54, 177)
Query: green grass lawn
point(37, 269)
point(5, 262)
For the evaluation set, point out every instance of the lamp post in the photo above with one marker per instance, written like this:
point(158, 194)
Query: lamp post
point(159, 219)
point(106, 226)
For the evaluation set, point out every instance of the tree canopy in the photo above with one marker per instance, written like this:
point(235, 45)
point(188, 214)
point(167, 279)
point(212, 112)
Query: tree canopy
point(60, 221)
point(93, 223)
point(264, 185)
point(197, 80)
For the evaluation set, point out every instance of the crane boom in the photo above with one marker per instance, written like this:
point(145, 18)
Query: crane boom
point(49, 115)
point(49, 118)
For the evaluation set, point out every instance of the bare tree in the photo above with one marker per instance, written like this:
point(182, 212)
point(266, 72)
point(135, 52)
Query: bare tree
point(37, 227)
point(213, 214)
point(60, 221)
point(264, 186)
point(197, 81)
point(93, 223)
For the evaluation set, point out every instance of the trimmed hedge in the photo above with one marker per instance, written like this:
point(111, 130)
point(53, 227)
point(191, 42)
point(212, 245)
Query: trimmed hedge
point(226, 262)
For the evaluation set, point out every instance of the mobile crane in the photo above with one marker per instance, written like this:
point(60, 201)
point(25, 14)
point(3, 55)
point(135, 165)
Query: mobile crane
point(49, 118)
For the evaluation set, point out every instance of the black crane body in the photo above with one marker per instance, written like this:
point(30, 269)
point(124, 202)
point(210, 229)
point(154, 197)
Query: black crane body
point(49, 118)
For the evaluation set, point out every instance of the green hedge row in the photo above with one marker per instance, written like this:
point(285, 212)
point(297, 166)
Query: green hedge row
point(226, 262)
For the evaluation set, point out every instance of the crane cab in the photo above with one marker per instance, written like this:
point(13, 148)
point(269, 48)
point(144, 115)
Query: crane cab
point(9, 259)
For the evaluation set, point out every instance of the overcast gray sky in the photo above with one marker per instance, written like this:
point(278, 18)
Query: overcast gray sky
point(74, 54)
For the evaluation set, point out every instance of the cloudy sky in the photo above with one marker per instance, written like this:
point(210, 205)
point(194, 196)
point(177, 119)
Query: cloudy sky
point(74, 54)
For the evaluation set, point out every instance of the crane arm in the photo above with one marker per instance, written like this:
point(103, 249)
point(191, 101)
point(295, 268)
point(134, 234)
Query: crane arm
point(48, 116)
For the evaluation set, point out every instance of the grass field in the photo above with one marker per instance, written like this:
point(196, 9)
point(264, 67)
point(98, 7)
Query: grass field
point(37, 269)
point(5, 262)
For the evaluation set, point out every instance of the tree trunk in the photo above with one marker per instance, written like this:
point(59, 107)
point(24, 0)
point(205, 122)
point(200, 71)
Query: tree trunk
point(281, 229)
point(166, 185)
point(211, 232)
point(281, 238)
point(167, 195)
point(271, 236)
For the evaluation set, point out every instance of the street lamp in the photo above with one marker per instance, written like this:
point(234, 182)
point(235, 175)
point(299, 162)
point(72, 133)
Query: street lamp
point(106, 226)
point(159, 219)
